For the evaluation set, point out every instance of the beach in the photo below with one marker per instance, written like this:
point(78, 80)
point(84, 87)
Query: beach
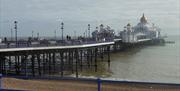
point(80, 85)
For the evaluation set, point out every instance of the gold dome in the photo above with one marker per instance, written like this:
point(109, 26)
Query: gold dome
point(143, 19)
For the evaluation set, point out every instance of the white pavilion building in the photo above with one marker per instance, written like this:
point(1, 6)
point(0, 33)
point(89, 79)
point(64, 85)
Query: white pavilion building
point(143, 30)
point(103, 33)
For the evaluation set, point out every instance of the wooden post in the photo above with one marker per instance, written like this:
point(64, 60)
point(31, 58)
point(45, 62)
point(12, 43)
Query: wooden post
point(54, 62)
point(108, 49)
point(69, 59)
point(49, 63)
point(16, 65)
point(91, 55)
point(1, 71)
point(81, 59)
point(22, 64)
point(39, 64)
point(72, 61)
point(25, 64)
point(44, 62)
point(4, 68)
point(102, 53)
point(96, 59)
point(18, 62)
point(2, 64)
point(76, 55)
point(87, 55)
point(32, 64)
point(62, 63)
point(9, 63)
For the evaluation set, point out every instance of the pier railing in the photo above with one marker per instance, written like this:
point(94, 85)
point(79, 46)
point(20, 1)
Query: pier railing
point(38, 44)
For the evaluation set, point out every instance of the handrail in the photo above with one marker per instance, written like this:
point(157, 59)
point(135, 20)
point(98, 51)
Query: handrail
point(0, 81)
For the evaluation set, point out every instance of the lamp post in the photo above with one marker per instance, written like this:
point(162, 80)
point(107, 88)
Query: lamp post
point(38, 35)
point(75, 34)
point(11, 34)
point(15, 27)
point(55, 34)
point(86, 35)
point(32, 34)
point(89, 30)
point(62, 29)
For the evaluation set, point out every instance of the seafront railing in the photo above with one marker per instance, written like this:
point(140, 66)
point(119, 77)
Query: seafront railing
point(0, 81)
point(102, 82)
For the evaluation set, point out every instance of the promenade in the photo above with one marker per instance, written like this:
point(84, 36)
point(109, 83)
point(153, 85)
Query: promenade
point(81, 85)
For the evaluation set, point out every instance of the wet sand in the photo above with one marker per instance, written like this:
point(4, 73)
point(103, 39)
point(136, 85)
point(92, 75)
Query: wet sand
point(75, 85)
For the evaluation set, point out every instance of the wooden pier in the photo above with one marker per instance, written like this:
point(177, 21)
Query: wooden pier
point(60, 60)
point(57, 60)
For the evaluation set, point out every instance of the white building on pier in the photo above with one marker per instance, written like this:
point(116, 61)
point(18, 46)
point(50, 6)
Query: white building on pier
point(103, 34)
point(143, 30)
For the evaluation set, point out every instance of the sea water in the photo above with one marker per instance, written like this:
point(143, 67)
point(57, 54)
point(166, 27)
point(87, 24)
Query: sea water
point(159, 63)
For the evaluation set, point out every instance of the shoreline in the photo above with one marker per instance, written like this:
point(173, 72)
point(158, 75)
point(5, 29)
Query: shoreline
point(83, 85)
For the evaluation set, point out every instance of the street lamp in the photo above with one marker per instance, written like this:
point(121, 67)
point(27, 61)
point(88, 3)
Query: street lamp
point(38, 35)
point(54, 34)
point(75, 34)
point(89, 30)
point(11, 34)
point(32, 34)
point(15, 27)
point(62, 27)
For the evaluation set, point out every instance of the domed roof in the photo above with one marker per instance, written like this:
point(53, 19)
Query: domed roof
point(142, 26)
point(143, 19)
point(101, 25)
point(128, 24)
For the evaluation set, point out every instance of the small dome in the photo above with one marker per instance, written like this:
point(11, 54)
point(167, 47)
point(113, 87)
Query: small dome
point(128, 24)
point(101, 25)
point(143, 19)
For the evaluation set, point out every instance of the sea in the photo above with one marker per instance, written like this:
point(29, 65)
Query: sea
point(158, 63)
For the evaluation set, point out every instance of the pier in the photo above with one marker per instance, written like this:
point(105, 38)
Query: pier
point(52, 60)
point(60, 57)
point(60, 60)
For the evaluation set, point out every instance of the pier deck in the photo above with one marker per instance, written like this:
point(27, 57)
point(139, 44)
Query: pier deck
point(51, 60)
point(55, 47)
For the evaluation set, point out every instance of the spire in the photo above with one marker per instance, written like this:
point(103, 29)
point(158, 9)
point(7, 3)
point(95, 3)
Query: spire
point(143, 19)
point(143, 14)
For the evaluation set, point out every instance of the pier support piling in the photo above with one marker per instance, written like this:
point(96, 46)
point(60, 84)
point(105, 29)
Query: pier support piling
point(32, 65)
point(95, 59)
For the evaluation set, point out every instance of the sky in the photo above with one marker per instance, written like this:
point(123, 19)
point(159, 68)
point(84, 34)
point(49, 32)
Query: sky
point(45, 16)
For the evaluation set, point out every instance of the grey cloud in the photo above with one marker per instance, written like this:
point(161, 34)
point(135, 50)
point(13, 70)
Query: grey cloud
point(33, 14)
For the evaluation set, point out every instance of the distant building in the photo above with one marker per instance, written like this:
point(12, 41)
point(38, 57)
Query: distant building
point(103, 34)
point(143, 30)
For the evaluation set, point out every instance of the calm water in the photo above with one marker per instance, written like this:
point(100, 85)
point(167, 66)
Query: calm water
point(152, 63)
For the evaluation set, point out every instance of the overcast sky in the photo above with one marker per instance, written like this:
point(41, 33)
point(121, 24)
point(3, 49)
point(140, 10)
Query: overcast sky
point(44, 16)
